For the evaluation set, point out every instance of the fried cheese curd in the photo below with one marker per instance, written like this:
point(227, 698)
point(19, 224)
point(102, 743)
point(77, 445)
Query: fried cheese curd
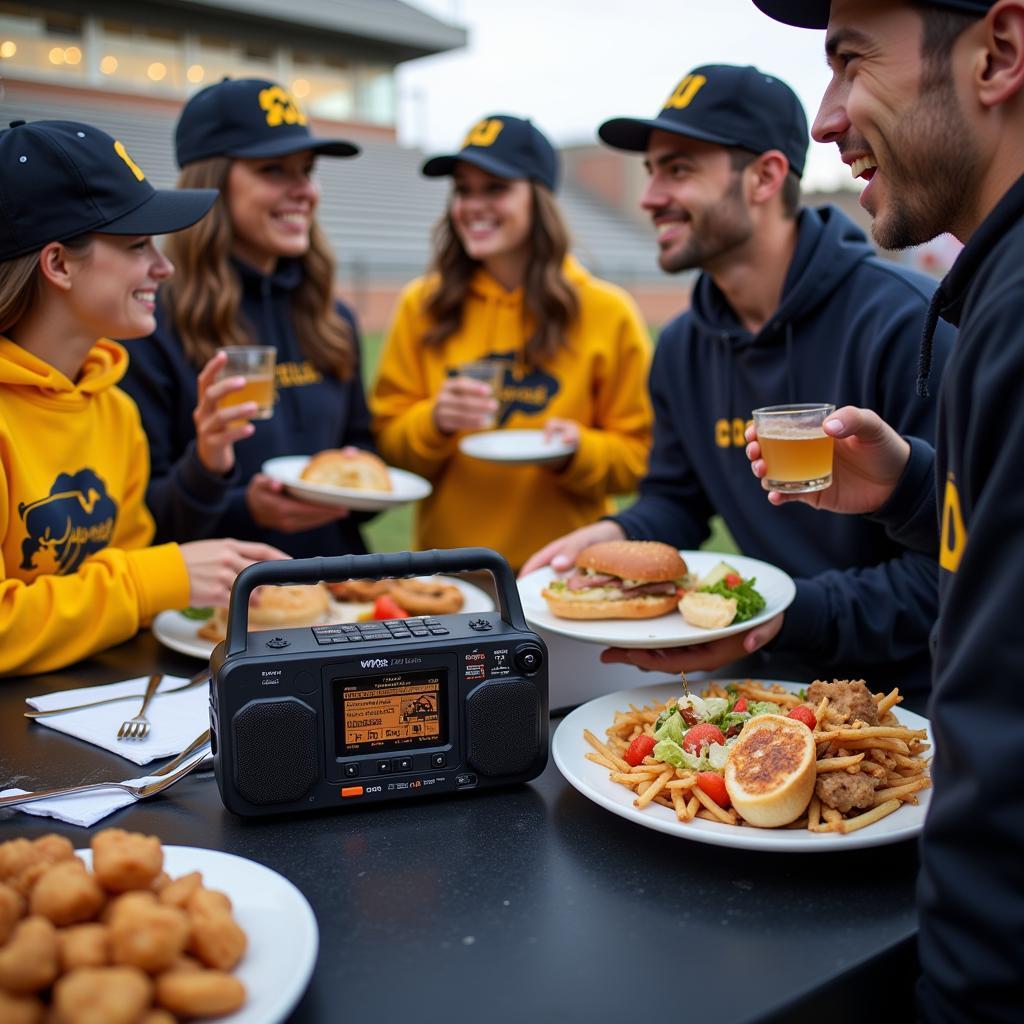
point(122, 943)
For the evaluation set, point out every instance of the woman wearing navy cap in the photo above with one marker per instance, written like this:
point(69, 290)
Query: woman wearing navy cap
point(77, 267)
point(256, 271)
point(572, 350)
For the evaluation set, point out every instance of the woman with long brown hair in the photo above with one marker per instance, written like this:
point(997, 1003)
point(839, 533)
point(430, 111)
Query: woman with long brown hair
point(570, 354)
point(256, 271)
point(79, 571)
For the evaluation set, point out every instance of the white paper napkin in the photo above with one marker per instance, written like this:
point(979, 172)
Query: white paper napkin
point(82, 809)
point(175, 719)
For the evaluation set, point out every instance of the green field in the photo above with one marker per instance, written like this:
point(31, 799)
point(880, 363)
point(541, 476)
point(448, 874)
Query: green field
point(392, 531)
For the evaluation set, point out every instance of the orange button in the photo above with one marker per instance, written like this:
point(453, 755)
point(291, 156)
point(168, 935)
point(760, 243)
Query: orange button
point(351, 790)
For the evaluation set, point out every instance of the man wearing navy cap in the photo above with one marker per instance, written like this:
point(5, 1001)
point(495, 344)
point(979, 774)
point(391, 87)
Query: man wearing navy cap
point(926, 105)
point(792, 306)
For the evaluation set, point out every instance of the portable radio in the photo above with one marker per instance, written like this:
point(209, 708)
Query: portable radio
point(334, 715)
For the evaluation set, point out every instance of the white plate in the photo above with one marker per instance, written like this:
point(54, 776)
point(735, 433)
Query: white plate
point(569, 747)
point(405, 487)
point(179, 633)
point(671, 629)
point(516, 447)
point(279, 922)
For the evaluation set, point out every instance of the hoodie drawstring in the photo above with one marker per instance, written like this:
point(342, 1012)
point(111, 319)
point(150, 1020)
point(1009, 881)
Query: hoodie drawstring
point(924, 360)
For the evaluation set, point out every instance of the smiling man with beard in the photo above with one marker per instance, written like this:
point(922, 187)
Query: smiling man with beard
point(792, 305)
point(926, 103)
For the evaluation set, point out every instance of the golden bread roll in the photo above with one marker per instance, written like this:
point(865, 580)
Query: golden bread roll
point(771, 770)
point(274, 607)
point(708, 611)
point(353, 470)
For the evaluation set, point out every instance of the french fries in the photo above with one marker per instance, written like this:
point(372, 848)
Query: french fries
point(887, 754)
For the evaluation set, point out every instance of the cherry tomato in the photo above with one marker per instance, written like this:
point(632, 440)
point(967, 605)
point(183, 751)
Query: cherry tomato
point(641, 746)
point(732, 580)
point(702, 735)
point(714, 785)
point(386, 608)
point(740, 705)
point(804, 714)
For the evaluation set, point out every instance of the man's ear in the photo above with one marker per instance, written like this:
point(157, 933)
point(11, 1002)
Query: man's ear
point(1000, 76)
point(55, 266)
point(769, 172)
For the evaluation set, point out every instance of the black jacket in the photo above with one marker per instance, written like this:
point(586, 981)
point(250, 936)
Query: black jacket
point(313, 412)
point(971, 889)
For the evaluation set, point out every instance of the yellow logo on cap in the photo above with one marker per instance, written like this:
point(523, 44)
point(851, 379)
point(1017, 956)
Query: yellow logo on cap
point(954, 533)
point(483, 133)
point(281, 107)
point(683, 93)
point(123, 154)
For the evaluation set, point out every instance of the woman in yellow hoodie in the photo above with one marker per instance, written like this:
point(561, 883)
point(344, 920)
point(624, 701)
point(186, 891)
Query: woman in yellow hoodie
point(573, 350)
point(77, 263)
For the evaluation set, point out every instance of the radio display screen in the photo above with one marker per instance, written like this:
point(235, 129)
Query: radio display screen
point(397, 711)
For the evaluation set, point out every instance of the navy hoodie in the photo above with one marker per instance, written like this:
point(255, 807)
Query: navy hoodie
point(312, 412)
point(971, 887)
point(846, 331)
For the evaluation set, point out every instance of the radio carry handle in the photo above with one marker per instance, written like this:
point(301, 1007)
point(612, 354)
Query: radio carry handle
point(378, 566)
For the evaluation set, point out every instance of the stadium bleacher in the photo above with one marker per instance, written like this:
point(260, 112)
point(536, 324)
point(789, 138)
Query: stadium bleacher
point(377, 210)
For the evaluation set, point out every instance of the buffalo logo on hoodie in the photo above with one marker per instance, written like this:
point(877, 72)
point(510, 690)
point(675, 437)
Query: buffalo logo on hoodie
point(75, 520)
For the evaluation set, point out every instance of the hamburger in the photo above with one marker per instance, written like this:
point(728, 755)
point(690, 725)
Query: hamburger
point(619, 579)
point(352, 469)
point(771, 770)
point(274, 607)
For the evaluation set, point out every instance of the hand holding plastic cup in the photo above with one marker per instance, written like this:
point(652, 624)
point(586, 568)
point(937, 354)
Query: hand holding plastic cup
point(796, 450)
point(490, 372)
point(256, 364)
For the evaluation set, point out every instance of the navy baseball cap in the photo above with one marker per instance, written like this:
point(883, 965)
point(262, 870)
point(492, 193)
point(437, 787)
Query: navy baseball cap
point(727, 105)
point(60, 179)
point(507, 146)
point(814, 13)
point(248, 117)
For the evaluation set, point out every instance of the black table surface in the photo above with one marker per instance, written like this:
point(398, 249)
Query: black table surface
point(524, 904)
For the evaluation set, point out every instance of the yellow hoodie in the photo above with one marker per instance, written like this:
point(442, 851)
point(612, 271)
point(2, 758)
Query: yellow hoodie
point(599, 380)
point(76, 574)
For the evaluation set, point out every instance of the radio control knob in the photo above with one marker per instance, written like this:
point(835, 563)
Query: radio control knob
point(277, 642)
point(480, 625)
point(529, 659)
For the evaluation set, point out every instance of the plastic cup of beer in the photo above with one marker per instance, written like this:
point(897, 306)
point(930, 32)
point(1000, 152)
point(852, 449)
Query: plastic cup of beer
point(256, 364)
point(490, 372)
point(796, 450)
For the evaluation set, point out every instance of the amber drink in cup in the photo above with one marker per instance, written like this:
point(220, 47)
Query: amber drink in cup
point(256, 364)
point(490, 372)
point(796, 450)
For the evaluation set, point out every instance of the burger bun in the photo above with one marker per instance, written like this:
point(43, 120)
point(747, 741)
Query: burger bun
point(648, 561)
point(647, 606)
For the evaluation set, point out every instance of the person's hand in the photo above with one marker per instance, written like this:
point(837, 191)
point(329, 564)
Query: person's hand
point(868, 460)
point(212, 566)
point(273, 509)
point(217, 430)
point(464, 404)
point(699, 657)
point(566, 431)
point(561, 554)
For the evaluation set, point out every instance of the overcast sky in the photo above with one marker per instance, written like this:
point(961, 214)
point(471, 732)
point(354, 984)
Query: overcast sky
point(570, 64)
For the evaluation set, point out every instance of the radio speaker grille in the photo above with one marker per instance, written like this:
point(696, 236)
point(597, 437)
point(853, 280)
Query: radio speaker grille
point(275, 750)
point(503, 720)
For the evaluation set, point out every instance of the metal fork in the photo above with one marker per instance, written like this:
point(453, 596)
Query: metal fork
point(137, 728)
point(139, 791)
